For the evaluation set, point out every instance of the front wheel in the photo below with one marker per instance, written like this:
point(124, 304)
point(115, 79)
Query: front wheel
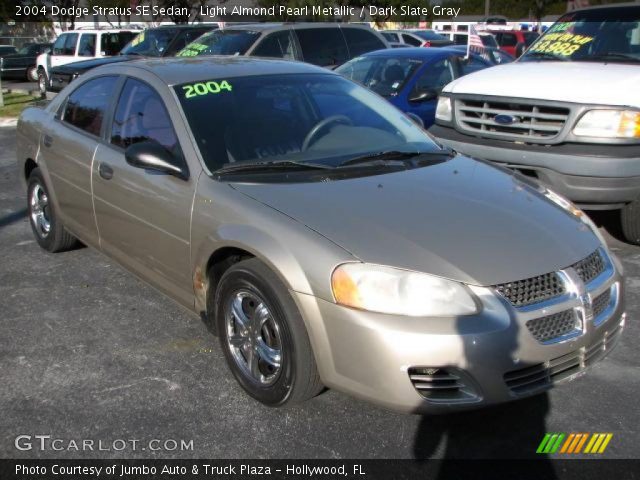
point(630, 220)
point(42, 82)
point(45, 224)
point(263, 336)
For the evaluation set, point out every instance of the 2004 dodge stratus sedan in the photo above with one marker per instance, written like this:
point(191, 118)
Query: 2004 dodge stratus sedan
point(328, 237)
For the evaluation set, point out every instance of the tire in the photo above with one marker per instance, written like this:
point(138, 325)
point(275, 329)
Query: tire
point(45, 225)
point(32, 74)
point(630, 222)
point(250, 285)
point(43, 81)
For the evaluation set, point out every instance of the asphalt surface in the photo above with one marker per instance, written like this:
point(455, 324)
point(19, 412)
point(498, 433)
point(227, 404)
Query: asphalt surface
point(19, 85)
point(87, 351)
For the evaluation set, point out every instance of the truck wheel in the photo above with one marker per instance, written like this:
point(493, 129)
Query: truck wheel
point(43, 81)
point(45, 224)
point(630, 218)
point(263, 336)
point(32, 74)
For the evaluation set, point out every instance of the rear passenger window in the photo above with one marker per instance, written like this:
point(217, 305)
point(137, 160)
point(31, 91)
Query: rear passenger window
point(141, 116)
point(361, 41)
point(508, 40)
point(87, 45)
point(277, 45)
point(86, 106)
point(322, 46)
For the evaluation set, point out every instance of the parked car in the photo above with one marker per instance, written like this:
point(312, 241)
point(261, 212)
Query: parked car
point(495, 56)
point(514, 42)
point(7, 50)
point(163, 41)
point(77, 45)
point(327, 238)
point(411, 78)
point(462, 38)
point(323, 44)
point(22, 64)
point(566, 113)
point(416, 38)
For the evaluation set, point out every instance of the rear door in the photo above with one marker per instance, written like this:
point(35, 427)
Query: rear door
point(144, 217)
point(68, 147)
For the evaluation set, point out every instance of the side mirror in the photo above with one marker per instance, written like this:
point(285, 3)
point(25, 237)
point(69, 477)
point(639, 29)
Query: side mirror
point(153, 156)
point(423, 95)
point(415, 119)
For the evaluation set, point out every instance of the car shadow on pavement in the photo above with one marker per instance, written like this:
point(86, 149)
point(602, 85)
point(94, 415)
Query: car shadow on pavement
point(13, 217)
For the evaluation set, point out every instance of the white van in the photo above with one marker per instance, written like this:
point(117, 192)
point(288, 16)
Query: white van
point(77, 45)
point(566, 113)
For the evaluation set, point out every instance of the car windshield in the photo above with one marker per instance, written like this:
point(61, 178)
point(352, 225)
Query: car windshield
point(308, 119)
point(599, 35)
point(221, 42)
point(150, 43)
point(428, 35)
point(384, 75)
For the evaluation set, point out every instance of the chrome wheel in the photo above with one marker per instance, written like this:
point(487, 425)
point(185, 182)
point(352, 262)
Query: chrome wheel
point(253, 337)
point(32, 74)
point(39, 210)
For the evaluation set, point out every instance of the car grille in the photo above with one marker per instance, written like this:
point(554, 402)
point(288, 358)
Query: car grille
point(553, 326)
point(590, 267)
point(544, 287)
point(600, 303)
point(532, 121)
point(440, 384)
point(532, 290)
point(542, 376)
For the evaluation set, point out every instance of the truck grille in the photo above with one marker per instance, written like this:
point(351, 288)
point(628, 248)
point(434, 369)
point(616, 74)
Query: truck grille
point(529, 121)
point(600, 303)
point(553, 326)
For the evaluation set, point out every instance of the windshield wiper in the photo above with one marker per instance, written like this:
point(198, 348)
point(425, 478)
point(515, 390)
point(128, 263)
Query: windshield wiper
point(388, 157)
point(610, 56)
point(269, 165)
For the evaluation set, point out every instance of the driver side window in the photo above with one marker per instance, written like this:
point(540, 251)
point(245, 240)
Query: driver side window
point(141, 116)
point(435, 77)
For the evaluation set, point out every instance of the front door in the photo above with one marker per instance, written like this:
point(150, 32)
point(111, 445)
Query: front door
point(144, 216)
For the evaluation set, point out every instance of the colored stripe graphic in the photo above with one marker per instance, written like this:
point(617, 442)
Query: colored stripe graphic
point(573, 443)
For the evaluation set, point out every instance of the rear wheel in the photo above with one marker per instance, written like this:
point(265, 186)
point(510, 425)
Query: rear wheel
point(32, 74)
point(263, 336)
point(630, 219)
point(47, 228)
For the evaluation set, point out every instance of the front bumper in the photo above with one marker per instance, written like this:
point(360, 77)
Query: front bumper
point(589, 175)
point(494, 357)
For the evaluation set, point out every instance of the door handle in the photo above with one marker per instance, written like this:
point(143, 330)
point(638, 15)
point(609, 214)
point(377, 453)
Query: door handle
point(47, 140)
point(105, 171)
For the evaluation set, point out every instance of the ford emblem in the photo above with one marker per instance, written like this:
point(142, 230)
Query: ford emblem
point(503, 119)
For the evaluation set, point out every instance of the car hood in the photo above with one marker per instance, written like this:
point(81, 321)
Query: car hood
point(579, 82)
point(463, 219)
point(84, 65)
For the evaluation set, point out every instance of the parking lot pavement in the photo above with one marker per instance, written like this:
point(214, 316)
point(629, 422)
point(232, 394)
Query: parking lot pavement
point(87, 351)
point(19, 86)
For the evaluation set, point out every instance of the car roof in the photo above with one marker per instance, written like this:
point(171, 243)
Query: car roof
point(185, 26)
point(295, 26)
point(414, 52)
point(101, 30)
point(178, 70)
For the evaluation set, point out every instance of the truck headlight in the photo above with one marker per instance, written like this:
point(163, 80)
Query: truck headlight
point(400, 292)
point(443, 109)
point(609, 124)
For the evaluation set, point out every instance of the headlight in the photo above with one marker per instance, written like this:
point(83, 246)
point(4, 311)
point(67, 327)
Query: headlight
point(400, 292)
point(443, 110)
point(609, 123)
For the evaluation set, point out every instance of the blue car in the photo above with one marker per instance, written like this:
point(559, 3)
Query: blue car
point(412, 78)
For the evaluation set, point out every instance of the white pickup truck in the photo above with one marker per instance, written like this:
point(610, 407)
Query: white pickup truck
point(77, 45)
point(566, 113)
